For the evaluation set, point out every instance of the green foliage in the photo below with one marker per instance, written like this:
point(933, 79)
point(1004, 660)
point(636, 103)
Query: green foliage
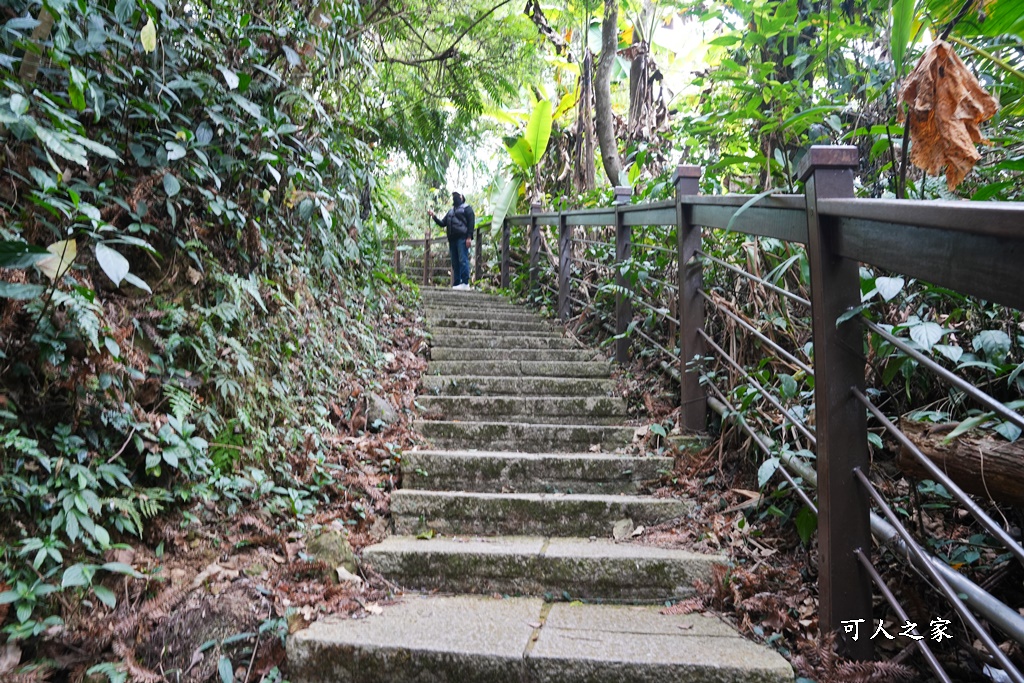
point(190, 276)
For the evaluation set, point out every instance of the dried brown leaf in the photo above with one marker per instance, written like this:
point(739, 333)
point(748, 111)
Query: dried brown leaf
point(946, 105)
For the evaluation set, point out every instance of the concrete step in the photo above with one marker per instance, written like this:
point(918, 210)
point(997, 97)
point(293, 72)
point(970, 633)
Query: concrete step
point(459, 353)
point(535, 409)
point(443, 339)
point(463, 318)
point(498, 471)
point(470, 333)
point(523, 437)
point(459, 302)
point(553, 514)
point(522, 368)
point(471, 639)
point(443, 295)
point(475, 385)
point(554, 568)
point(496, 325)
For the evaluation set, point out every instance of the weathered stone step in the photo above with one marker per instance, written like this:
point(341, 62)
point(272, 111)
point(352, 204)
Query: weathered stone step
point(443, 295)
point(525, 368)
point(536, 409)
point(469, 332)
point(553, 514)
point(497, 471)
point(462, 354)
point(465, 318)
point(555, 568)
point(491, 324)
point(500, 341)
point(475, 385)
point(523, 437)
point(460, 302)
point(470, 639)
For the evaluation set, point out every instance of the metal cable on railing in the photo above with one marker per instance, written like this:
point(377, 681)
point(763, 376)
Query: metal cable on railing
point(796, 422)
point(938, 580)
point(652, 247)
point(757, 333)
point(663, 283)
point(589, 285)
point(658, 311)
point(919, 641)
point(753, 278)
point(950, 378)
point(941, 477)
point(786, 459)
point(598, 243)
point(654, 343)
point(594, 264)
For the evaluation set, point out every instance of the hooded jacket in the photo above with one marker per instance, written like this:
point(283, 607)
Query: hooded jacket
point(460, 219)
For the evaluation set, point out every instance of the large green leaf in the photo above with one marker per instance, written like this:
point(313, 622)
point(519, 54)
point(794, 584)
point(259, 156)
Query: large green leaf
point(17, 254)
point(522, 153)
point(538, 131)
point(502, 200)
point(902, 25)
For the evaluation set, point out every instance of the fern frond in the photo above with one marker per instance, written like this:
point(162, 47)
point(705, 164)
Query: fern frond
point(182, 402)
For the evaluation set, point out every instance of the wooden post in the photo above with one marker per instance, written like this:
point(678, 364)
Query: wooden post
point(844, 587)
point(426, 259)
point(534, 247)
point(691, 306)
point(398, 258)
point(506, 255)
point(477, 269)
point(564, 266)
point(623, 250)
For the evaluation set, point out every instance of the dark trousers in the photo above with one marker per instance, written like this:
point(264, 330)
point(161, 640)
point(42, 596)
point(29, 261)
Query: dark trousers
point(460, 261)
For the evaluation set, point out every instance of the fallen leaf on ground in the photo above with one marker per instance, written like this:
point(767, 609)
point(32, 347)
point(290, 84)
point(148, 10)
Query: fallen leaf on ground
point(947, 104)
point(345, 576)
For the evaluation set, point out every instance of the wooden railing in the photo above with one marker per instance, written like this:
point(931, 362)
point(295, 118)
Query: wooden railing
point(970, 247)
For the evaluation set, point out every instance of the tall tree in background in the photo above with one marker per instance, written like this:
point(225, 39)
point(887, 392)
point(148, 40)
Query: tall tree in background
point(603, 92)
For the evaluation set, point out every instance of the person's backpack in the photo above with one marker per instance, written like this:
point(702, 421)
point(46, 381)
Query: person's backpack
point(458, 225)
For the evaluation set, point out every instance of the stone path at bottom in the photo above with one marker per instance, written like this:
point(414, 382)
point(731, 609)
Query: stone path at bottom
point(527, 477)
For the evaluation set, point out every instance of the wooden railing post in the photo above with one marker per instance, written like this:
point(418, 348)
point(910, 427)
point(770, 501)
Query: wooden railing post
point(478, 268)
point(506, 254)
point(844, 587)
point(623, 250)
point(426, 259)
point(398, 258)
point(691, 306)
point(564, 266)
point(534, 250)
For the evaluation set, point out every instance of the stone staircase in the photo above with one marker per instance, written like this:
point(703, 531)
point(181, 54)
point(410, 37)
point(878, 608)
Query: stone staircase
point(527, 477)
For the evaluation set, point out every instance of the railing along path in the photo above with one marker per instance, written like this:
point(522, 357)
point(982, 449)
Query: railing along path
point(973, 248)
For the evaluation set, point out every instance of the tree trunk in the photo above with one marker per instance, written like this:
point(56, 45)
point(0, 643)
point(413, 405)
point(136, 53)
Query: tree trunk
point(583, 150)
point(603, 92)
point(985, 466)
point(638, 72)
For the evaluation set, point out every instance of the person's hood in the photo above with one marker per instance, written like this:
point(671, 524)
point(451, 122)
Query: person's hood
point(457, 199)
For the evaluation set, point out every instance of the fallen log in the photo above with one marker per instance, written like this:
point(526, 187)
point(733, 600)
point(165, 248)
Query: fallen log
point(986, 466)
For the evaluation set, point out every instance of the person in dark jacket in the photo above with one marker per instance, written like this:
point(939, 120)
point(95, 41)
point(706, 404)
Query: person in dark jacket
point(458, 224)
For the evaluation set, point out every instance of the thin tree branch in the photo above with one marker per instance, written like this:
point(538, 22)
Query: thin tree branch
point(448, 52)
point(956, 20)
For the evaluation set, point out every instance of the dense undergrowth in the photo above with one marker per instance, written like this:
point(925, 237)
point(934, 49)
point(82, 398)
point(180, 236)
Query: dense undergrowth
point(196, 331)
